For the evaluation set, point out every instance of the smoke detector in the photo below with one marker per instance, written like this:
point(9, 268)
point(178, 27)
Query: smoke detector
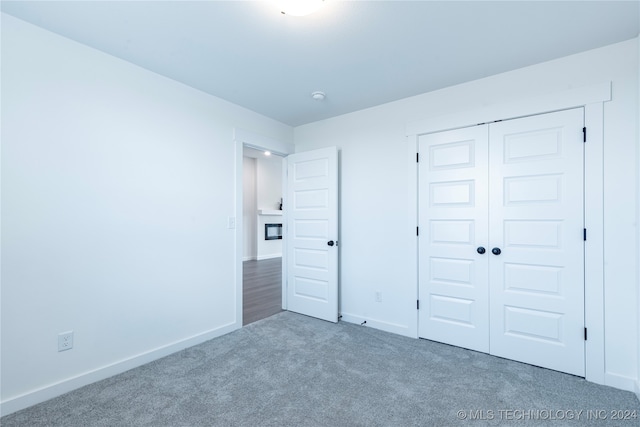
point(318, 95)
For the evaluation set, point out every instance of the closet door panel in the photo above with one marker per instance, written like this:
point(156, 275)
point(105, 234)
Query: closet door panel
point(453, 287)
point(536, 220)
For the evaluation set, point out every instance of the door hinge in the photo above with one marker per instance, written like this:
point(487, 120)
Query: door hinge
point(417, 157)
point(584, 134)
point(417, 231)
point(585, 334)
point(418, 304)
point(584, 234)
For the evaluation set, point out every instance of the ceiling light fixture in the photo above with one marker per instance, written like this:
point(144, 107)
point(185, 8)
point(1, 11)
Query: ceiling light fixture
point(318, 95)
point(299, 7)
point(267, 153)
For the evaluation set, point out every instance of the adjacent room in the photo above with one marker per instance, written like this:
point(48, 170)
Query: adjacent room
point(262, 224)
point(361, 213)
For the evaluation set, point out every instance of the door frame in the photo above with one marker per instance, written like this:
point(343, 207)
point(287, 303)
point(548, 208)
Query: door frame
point(243, 138)
point(592, 99)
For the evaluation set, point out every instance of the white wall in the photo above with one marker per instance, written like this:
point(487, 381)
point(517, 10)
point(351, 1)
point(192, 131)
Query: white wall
point(116, 191)
point(374, 226)
point(249, 208)
point(269, 192)
point(262, 183)
point(269, 182)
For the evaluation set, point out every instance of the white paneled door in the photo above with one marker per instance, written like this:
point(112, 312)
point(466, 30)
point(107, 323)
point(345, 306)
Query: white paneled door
point(526, 251)
point(454, 296)
point(312, 233)
point(536, 213)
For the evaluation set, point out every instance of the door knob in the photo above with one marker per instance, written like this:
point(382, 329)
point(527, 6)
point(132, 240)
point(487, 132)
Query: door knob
point(496, 251)
point(481, 250)
point(330, 243)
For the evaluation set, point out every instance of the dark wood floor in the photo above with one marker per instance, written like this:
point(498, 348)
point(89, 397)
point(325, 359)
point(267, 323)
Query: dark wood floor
point(261, 289)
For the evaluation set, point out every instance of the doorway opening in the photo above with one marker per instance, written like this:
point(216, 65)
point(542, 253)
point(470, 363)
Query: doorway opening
point(262, 241)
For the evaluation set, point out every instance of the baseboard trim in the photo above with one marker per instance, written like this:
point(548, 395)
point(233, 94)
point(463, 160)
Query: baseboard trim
point(261, 257)
point(610, 379)
point(40, 395)
point(377, 324)
point(621, 382)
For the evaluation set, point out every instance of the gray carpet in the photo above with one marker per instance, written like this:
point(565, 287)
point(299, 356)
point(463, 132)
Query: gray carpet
point(291, 370)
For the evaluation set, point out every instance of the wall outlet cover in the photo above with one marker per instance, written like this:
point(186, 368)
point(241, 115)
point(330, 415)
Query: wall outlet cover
point(65, 341)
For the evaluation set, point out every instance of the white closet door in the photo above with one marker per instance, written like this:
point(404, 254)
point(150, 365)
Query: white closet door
point(536, 220)
point(454, 305)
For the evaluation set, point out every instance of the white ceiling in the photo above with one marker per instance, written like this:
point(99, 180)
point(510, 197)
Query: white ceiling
point(361, 53)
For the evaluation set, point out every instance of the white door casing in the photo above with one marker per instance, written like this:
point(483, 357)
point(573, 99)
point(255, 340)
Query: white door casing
point(535, 285)
point(537, 221)
point(311, 233)
point(453, 284)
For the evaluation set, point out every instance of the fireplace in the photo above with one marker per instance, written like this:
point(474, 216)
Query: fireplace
point(272, 231)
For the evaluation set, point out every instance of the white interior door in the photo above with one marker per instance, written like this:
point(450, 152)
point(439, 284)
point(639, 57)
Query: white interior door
point(311, 209)
point(453, 206)
point(536, 214)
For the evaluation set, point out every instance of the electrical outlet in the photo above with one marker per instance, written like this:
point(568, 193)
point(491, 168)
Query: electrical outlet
point(378, 296)
point(65, 341)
